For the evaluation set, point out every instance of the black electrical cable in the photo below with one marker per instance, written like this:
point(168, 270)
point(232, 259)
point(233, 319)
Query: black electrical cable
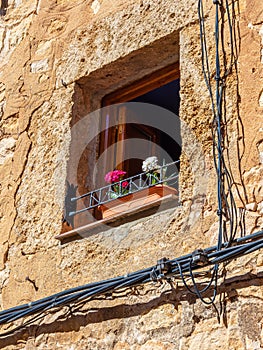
point(226, 204)
point(216, 110)
point(204, 53)
point(178, 268)
point(143, 276)
point(227, 209)
point(199, 292)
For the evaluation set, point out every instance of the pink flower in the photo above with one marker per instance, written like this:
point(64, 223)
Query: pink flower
point(107, 177)
point(114, 176)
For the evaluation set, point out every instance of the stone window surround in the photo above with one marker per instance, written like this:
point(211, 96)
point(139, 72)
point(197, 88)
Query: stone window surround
point(91, 90)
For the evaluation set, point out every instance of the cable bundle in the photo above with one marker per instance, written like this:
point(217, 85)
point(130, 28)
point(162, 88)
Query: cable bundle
point(187, 266)
point(226, 203)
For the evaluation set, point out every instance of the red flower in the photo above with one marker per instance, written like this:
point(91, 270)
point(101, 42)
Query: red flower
point(114, 176)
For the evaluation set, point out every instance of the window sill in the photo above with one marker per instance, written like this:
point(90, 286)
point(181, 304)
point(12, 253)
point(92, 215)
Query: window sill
point(117, 219)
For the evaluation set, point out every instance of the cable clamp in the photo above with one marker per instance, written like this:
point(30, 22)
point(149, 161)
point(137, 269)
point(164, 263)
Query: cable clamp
point(199, 257)
point(218, 78)
point(161, 269)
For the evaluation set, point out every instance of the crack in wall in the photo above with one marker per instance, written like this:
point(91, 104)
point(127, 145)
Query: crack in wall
point(15, 195)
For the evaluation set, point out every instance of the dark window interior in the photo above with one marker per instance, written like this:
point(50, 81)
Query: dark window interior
point(156, 130)
point(166, 96)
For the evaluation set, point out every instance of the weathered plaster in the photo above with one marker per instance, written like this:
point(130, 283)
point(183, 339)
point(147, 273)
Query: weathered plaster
point(53, 51)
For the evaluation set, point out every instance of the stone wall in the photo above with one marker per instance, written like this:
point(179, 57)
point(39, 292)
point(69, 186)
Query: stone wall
point(49, 51)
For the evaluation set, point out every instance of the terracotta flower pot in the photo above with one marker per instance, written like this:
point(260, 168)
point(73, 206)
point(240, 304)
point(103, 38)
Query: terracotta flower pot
point(135, 200)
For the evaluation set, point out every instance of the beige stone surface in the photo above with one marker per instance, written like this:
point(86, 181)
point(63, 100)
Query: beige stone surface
point(58, 60)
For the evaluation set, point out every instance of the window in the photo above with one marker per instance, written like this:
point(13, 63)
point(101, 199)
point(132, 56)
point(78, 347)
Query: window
point(137, 121)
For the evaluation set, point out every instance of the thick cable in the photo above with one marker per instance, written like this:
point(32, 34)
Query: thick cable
point(179, 267)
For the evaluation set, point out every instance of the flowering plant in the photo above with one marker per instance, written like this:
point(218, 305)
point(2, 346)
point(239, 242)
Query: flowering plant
point(119, 188)
point(152, 169)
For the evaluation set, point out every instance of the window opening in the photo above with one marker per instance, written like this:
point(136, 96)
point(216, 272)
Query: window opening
point(133, 120)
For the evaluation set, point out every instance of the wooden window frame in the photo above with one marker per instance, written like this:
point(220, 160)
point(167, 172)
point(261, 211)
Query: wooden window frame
point(142, 86)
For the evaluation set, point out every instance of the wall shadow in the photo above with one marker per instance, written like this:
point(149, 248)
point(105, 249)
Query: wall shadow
point(75, 319)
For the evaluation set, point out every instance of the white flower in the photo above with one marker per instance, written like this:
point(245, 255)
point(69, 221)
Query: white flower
point(150, 164)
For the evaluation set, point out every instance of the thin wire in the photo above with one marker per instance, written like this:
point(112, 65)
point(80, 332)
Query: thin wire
point(199, 292)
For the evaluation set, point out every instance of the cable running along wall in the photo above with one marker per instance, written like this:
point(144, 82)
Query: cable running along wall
point(198, 264)
point(216, 82)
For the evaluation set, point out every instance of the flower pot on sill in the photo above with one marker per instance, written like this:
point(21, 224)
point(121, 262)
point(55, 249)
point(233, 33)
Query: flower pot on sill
point(135, 200)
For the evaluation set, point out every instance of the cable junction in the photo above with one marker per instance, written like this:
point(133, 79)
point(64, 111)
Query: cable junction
point(184, 268)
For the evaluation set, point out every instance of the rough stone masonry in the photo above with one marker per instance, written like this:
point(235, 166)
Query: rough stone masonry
point(58, 60)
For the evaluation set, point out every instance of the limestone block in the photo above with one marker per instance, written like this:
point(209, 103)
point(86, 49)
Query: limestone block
point(260, 101)
point(2, 91)
point(253, 180)
point(157, 345)
point(20, 156)
point(251, 206)
point(40, 66)
point(260, 144)
point(121, 346)
point(7, 148)
point(260, 208)
point(95, 6)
